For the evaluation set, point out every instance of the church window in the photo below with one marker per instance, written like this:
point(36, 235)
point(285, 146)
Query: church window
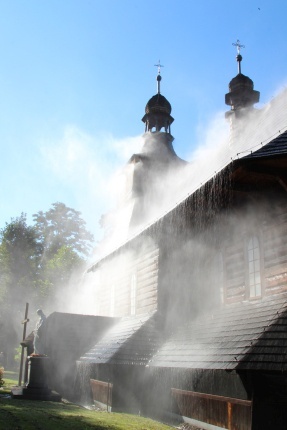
point(112, 304)
point(133, 293)
point(217, 277)
point(254, 270)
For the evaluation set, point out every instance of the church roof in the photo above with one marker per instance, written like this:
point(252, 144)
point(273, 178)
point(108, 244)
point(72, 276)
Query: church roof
point(133, 340)
point(158, 103)
point(277, 146)
point(240, 81)
point(242, 336)
point(250, 335)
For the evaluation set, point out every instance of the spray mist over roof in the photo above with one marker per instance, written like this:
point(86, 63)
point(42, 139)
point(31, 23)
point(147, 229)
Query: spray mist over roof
point(250, 129)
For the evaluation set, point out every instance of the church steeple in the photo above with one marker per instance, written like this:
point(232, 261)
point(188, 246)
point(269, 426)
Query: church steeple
point(241, 88)
point(157, 110)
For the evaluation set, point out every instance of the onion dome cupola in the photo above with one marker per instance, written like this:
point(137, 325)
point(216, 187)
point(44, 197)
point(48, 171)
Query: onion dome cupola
point(158, 110)
point(241, 88)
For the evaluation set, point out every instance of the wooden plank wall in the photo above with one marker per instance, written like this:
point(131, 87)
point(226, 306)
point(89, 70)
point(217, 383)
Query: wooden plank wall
point(275, 254)
point(102, 391)
point(273, 247)
point(226, 412)
point(116, 280)
point(234, 272)
point(117, 273)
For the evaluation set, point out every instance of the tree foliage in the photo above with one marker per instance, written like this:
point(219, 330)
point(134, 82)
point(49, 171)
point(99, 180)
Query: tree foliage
point(61, 265)
point(20, 253)
point(61, 270)
point(62, 226)
point(37, 262)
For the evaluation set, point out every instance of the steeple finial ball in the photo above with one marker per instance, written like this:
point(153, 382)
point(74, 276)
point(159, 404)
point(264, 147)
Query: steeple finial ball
point(239, 58)
point(158, 78)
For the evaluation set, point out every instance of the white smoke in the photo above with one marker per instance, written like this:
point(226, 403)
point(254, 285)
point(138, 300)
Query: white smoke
point(88, 166)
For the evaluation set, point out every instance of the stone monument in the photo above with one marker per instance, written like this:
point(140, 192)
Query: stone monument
point(37, 385)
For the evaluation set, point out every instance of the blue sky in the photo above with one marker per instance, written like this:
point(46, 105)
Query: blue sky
point(75, 76)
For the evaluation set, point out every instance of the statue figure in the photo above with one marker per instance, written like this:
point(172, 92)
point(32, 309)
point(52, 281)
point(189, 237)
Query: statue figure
point(38, 345)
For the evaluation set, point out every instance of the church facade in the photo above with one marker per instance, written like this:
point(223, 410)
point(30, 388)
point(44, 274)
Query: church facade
point(192, 308)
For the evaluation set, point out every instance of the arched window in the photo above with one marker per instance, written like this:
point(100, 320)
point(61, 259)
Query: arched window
point(219, 273)
point(112, 304)
point(217, 277)
point(133, 293)
point(254, 267)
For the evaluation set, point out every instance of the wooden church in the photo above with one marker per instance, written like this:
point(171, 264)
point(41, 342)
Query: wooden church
point(191, 311)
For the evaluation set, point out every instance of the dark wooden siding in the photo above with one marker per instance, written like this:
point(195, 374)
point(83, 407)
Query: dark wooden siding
point(275, 253)
point(234, 272)
point(273, 241)
point(147, 281)
point(116, 279)
point(101, 391)
point(226, 412)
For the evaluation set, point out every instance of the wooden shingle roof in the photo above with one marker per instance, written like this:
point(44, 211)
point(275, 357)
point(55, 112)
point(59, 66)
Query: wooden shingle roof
point(277, 146)
point(250, 335)
point(133, 340)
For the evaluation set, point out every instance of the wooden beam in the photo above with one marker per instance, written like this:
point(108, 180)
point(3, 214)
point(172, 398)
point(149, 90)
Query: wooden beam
point(25, 322)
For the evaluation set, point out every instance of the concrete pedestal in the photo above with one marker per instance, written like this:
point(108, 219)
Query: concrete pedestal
point(38, 371)
point(37, 387)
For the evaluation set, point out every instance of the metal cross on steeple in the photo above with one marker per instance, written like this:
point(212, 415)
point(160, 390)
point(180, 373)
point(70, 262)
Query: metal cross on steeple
point(239, 56)
point(158, 66)
point(158, 78)
point(238, 46)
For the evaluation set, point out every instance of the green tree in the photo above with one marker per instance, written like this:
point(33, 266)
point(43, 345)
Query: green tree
point(20, 254)
point(62, 226)
point(36, 265)
point(65, 243)
point(60, 267)
point(63, 270)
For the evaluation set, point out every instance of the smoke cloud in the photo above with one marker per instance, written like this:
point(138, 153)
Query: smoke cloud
point(88, 165)
point(94, 166)
point(220, 144)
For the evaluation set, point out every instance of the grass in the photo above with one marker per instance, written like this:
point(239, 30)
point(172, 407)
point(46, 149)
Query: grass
point(19, 414)
point(32, 415)
point(10, 378)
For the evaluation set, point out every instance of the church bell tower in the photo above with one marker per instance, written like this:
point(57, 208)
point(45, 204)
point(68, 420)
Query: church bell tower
point(158, 110)
point(241, 95)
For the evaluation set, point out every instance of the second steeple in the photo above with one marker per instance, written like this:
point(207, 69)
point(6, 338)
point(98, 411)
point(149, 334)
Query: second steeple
point(158, 110)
